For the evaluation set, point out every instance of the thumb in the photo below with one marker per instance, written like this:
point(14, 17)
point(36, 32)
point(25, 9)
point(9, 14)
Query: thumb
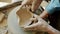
point(31, 27)
point(32, 8)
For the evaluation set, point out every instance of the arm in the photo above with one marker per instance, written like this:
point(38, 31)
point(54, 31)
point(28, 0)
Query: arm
point(44, 14)
point(51, 30)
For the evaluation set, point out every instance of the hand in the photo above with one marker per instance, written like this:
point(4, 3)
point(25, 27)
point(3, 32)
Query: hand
point(41, 25)
point(28, 4)
point(32, 4)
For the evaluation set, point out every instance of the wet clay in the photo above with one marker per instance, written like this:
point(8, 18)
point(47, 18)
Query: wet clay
point(24, 15)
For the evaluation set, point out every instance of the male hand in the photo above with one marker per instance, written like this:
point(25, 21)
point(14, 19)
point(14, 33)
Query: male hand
point(41, 25)
point(32, 4)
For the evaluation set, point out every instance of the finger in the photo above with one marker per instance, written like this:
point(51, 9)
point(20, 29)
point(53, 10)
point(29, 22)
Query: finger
point(35, 16)
point(32, 19)
point(32, 7)
point(28, 7)
point(31, 26)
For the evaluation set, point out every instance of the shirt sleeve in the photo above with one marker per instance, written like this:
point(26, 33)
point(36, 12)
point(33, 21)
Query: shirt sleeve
point(50, 8)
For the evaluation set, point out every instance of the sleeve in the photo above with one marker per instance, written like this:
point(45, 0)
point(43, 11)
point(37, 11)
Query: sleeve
point(50, 8)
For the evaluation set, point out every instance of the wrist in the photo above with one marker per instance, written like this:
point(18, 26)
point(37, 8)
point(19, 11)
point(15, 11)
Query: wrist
point(51, 30)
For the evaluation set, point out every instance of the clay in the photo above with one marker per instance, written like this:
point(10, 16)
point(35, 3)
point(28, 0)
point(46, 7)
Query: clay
point(5, 1)
point(13, 23)
point(24, 15)
point(3, 23)
point(1, 16)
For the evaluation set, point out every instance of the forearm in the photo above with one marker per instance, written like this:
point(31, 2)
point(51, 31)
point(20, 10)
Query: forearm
point(44, 14)
point(51, 30)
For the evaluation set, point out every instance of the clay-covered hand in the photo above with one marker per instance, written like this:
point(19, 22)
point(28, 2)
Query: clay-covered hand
point(41, 25)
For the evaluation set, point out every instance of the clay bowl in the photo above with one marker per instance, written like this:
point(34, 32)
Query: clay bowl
point(19, 18)
point(24, 17)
